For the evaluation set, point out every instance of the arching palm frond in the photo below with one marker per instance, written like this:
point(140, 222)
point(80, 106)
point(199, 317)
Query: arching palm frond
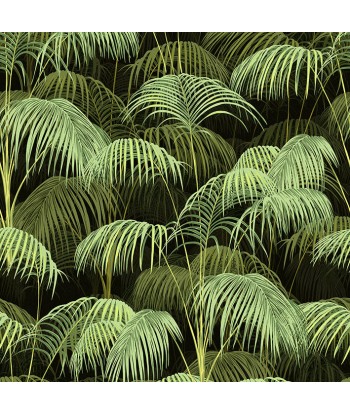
point(335, 248)
point(202, 219)
point(115, 245)
point(269, 73)
point(242, 185)
point(190, 100)
point(166, 288)
point(87, 327)
point(15, 47)
point(60, 205)
point(328, 326)
point(301, 163)
point(288, 210)
point(15, 96)
point(316, 368)
point(232, 366)
point(181, 377)
point(175, 58)
point(142, 160)
point(337, 115)
point(259, 158)
point(84, 46)
point(27, 256)
point(205, 151)
point(306, 238)
point(234, 47)
point(14, 312)
point(280, 133)
point(10, 332)
point(253, 304)
point(54, 129)
point(141, 351)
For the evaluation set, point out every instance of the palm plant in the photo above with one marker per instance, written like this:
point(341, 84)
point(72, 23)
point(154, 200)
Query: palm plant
point(179, 196)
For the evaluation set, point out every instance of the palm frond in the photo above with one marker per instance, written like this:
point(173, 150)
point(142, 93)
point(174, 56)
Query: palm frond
point(301, 163)
point(232, 366)
point(335, 248)
point(60, 205)
point(253, 304)
point(181, 377)
point(139, 158)
point(190, 100)
point(115, 245)
point(27, 256)
point(328, 326)
point(84, 46)
point(234, 47)
point(259, 158)
point(175, 58)
point(141, 351)
point(54, 129)
point(270, 73)
point(87, 327)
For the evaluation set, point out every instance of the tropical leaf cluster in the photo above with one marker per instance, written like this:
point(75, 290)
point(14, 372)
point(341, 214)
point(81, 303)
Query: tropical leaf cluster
point(174, 207)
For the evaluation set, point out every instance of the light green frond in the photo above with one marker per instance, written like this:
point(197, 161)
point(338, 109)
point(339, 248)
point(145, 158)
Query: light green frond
point(301, 163)
point(165, 288)
point(334, 248)
point(22, 378)
point(218, 260)
point(231, 366)
point(234, 47)
point(175, 58)
point(306, 238)
point(15, 48)
point(22, 252)
point(86, 327)
point(288, 210)
point(316, 368)
point(60, 205)
point(270, 73)
point(190, 100)
point(138, 158)
point(280, 133)
point(115, 245)
point(337, 115)
point(14, 312)
point(328, 327)
point(205, 151)
point(244, 185)
point(181, 377)
point(15, 96)
point(267, 314)
point(141, 351)
point(84, 46)
point(259, 158)
point(54, 129)
point(10, 332)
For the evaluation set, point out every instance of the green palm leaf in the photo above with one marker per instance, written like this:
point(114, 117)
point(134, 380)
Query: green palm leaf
point(328, 326)
point(189, 99)
point(278, 70)
point(142, 349)
point(334, 247)
point(135, 156)
point(232, 366)
point(87, 327)
point(181, 377)
point(259, 158)
point(253, 304)
point(176, 58)
point(27, 256)
point(115, 245)
point(55, 129)
point(301, 163)
point(60, 204)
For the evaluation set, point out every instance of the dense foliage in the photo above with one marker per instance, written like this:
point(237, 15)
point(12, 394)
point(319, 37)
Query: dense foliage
point(174, 207)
